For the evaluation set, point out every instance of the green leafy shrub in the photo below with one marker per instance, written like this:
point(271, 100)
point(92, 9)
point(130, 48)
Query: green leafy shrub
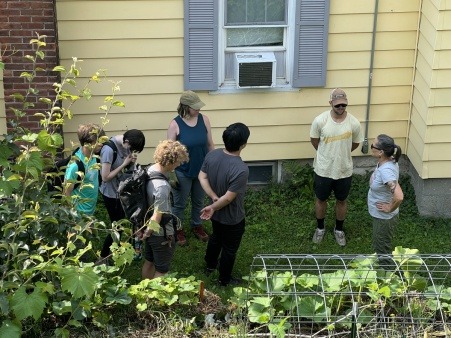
point(49, 284)
point(44, 243)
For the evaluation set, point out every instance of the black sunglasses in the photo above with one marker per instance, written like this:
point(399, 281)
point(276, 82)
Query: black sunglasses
point(341, 105)
point(374, 147)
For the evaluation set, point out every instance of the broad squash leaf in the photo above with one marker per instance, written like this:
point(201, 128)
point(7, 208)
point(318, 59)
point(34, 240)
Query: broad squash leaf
point(79, 282)
point(10, 330)
point(28, 304)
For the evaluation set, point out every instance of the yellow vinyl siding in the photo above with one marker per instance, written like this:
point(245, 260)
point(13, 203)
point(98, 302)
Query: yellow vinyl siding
point(441, 115)
point(140, 43)
point(95, 10)
point(382, 60)
point(125, 48)
point(429, 133)
point(139, 67)
point(129, 29)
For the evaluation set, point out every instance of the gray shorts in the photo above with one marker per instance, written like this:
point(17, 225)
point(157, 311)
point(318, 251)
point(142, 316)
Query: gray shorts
point(158, 251)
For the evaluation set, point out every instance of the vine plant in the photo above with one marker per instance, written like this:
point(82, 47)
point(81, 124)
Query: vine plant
point(42, 271)
point(326, 299)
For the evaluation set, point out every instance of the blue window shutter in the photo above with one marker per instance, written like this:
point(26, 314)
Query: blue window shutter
point(310, 56)
point(201, 44)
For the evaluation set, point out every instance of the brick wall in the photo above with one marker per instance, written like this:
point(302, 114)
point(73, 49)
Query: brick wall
point(21, 21)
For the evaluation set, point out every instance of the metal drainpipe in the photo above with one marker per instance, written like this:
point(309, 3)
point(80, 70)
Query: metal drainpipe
point(370, 79)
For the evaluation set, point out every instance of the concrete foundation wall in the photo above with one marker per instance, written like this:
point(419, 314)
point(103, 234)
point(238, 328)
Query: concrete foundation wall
point(433, 196)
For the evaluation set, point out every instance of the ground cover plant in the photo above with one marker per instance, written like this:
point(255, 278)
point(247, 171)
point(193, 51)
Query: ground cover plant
point(51, 287)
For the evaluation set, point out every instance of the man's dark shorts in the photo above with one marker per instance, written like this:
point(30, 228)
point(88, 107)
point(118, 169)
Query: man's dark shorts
point(158, 253)
point(324, 186)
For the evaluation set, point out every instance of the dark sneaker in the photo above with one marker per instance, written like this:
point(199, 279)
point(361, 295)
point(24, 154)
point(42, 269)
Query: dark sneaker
point(181, 239)
point(200, 233)
point(340, 237)
point(209, 271)
point(233, 282)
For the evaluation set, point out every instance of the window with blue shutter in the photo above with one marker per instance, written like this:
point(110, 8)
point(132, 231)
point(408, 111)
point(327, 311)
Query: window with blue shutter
point(296, 41)
point(310, 56)
point(201, 44)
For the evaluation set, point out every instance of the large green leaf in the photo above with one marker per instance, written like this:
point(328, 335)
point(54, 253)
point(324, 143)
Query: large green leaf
point(120, 298)
point(258, 314)
point(10, 330)
point(28, 304)
point(333, 281)
point(80, 282)
point(4, 304)
point(313, 307)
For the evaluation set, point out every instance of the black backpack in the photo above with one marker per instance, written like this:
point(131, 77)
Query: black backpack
point(132, 193)
point(56, 178)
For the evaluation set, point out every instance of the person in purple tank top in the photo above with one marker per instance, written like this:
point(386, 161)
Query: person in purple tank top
point(193, 130)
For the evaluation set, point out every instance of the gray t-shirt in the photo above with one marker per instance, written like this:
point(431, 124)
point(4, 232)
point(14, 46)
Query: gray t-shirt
point(227, 173)
point(109, 189)
point(159, 197)
point(379, 190)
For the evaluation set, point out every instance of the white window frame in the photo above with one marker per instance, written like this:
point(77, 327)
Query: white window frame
point(309, 41)
point(288, 47)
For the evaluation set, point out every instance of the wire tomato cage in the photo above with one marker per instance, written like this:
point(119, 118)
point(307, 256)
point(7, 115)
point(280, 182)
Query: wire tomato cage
point(400, 295)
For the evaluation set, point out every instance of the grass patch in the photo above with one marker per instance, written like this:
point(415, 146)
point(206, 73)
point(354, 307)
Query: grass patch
point(280, 220)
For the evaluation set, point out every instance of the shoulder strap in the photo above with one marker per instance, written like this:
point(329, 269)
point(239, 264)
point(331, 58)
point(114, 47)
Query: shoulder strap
point(156, 175)
point(80, 167)
point(110, 143)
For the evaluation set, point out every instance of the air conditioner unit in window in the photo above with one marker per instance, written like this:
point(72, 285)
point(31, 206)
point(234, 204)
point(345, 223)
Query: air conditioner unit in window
point(255, 70)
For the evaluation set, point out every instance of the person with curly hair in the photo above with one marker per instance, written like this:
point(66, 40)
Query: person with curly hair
point(160, 246)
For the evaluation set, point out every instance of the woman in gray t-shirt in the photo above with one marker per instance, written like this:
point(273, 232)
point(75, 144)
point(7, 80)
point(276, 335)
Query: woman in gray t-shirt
point(385, 195)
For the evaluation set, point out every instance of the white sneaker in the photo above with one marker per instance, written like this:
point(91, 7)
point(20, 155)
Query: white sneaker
point(340, 237)
point(318, 235)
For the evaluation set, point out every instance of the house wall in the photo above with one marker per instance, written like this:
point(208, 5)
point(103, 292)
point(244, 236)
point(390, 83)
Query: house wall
point(21, 21)
point(141, 45)
point(429, 136)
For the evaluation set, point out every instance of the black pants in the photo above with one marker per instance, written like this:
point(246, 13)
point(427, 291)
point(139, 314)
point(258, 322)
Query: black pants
point(116, 213)
point(223, 244)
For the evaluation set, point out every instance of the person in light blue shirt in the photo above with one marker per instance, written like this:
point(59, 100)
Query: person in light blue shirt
point(84, 188)
point(384, 195)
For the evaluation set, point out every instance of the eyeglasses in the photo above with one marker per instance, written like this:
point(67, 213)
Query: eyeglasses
point(374, 147)
point(341, 105)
